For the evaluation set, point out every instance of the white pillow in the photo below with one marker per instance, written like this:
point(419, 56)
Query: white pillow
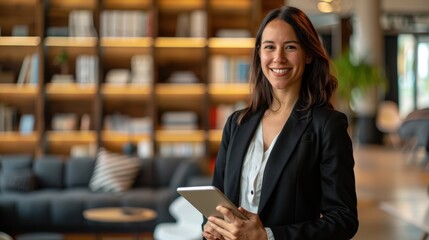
point(113, 172)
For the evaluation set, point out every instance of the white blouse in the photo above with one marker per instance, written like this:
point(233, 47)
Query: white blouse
point(253, 171)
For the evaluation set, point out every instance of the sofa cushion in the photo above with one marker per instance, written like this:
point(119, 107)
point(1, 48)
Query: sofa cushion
point(78, 172)
point(13, 162)
point(49, 171)
point(21, 180)
point(114, 172)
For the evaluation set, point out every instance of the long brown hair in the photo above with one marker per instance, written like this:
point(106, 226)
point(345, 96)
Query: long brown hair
point(317, 85)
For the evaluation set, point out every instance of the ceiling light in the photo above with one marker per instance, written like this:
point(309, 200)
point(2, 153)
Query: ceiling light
point(324, 7)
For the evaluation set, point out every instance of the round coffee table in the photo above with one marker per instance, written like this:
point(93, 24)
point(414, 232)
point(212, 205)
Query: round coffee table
point(119, 215)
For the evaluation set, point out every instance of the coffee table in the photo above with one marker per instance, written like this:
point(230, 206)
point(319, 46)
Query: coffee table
point(119, 215)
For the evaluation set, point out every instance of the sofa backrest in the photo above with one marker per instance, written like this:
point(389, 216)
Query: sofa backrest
point(78, 172)
point(48, 171)
point(54, 172)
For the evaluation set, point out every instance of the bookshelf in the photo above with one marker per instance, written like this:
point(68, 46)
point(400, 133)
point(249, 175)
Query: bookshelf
point(121, 72)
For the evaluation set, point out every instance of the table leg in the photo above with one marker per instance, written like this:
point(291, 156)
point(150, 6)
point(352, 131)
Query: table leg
point(425, 236)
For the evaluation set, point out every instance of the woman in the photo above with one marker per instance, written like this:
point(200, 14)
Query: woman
point(287, 159)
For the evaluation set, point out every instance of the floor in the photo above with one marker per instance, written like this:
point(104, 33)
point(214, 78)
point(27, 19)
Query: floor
point(384, 174)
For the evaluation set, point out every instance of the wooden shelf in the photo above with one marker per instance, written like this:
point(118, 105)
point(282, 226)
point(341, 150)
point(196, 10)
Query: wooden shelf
point(14, 142)
point(168, 55)
point(73, 4)
point(87, 42)
point(171, 89)
point(248, 43)
point(70, 91)
point(215, 136)
point(128, 4)
point(227, 5)
point(176, 42)
point(179, 6)
point(19, 41)
point(24, 90)
point(228, 92)
point(123, 42)
point(129, 91)
point(180, 136)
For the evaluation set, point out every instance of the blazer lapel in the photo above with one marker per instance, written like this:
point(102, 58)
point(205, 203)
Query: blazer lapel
point(281, 152)
point(240, 141)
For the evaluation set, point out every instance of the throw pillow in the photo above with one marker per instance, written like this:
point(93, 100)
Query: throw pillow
point(22, 180)
point(113, 172)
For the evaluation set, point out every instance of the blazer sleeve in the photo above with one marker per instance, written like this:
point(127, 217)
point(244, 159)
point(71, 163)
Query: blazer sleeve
point(219, 170)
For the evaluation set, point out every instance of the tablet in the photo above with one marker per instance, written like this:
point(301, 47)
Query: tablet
point(207, 198)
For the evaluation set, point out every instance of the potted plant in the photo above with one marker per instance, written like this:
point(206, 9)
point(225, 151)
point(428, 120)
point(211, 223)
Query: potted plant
point(62, 60)
point(359, 86)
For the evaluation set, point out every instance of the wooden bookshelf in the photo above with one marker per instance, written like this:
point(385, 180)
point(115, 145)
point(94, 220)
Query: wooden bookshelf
point(169, 54)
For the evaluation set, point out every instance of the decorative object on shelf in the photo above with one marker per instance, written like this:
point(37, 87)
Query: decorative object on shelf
point(62, 60)
point(129, 149)
point(118, 76)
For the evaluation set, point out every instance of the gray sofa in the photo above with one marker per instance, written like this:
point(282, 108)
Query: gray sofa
point(51, 193)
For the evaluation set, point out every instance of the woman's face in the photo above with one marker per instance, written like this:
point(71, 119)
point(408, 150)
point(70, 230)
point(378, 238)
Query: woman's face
point(282, 58)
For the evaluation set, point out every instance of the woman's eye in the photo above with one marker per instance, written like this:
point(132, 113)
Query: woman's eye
point(268, 47)
point(290, 47)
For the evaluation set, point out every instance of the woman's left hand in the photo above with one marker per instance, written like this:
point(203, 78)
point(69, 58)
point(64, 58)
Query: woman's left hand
point(234, 228)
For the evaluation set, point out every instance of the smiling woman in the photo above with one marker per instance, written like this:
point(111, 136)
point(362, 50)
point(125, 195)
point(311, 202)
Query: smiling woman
point(287, 159)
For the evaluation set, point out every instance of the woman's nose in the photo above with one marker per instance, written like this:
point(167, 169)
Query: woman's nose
point(279, 56)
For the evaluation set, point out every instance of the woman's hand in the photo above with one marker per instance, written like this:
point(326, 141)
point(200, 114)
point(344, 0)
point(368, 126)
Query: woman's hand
point(233, 227)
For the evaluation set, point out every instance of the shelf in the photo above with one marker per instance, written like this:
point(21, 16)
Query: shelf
point(14, 142)
point(129, 91)
point(76, 137)
point(231, 43)
point(19, 41)
point(180, 136)
point(19, 94)
point(73, 4)
point(170, 89)
point(168, 55)
point(115, 141)
point(61, 142)
point(112, 136)
point(128, 4)
point(179, 6)
point(87, 42)
point(228, 92)
point(17, 137)
point(20, 2)
point(215, 136)
point(70, 91)
point(228, 5)
point(176, 42)
point(124, 42)
point(24, 90)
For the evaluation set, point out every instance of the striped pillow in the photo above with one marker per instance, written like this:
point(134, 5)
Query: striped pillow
point(113, 172)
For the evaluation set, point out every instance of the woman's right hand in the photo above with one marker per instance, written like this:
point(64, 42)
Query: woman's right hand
point(210, 234)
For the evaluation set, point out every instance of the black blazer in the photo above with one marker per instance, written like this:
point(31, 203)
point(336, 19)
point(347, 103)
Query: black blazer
point(308, 189)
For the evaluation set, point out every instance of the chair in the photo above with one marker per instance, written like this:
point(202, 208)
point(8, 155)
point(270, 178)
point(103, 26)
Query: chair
point(388, 121)
point(187, 225)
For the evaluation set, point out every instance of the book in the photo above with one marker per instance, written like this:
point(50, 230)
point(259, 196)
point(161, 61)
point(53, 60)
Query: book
point(34, 69)
point(25, 70)
point(26, 124)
